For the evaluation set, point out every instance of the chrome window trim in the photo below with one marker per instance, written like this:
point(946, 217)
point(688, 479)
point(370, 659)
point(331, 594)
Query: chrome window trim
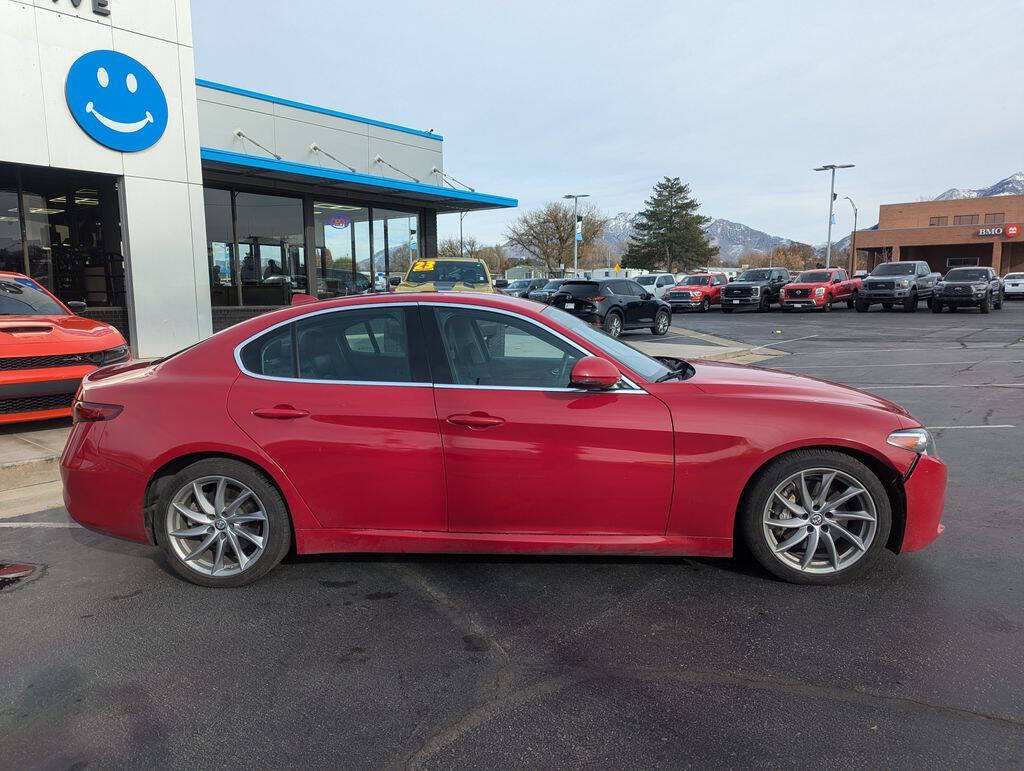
point(632, 386)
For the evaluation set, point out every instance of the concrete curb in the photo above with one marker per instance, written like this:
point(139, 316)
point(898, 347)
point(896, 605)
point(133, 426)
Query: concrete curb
point(29, 472)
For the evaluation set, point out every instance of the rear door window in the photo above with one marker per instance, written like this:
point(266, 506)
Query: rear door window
point(369, 345)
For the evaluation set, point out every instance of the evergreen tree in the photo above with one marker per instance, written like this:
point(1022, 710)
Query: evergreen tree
point(669, 233)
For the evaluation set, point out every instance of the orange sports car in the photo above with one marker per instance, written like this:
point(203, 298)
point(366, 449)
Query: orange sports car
point(46, 350)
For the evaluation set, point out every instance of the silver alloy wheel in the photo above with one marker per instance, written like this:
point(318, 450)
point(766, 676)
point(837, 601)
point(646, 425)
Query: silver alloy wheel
point(615, 325)
point(217, 526)
point(820, 520)
point(662, 322)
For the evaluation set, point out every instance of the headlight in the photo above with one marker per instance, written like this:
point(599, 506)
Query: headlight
point(819, 291)
point(782, 292)
point(914, 439)
point(904, 282)
point(756, 291)
point(110, 356)
point(695, 295)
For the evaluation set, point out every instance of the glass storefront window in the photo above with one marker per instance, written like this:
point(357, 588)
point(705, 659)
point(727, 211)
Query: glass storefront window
point(400, 240)
point(271, 248)
point(12, 256)
point(220, 240)
point(342, 235)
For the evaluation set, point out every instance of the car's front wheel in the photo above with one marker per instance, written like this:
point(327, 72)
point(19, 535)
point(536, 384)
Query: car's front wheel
point(705, 305)
point(861, 306)
point(221, 523)
point(816, 517)
point(936, 306)
point(985, 304)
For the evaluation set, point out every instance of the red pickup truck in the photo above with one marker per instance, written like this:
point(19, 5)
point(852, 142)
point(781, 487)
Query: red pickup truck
point(819, 289)
point(699, 291)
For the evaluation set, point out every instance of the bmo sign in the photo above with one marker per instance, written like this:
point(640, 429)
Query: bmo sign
point(1007, 231)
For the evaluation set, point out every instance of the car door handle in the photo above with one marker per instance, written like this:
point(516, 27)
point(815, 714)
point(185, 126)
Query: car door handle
point(280, 412)
point(476, 420)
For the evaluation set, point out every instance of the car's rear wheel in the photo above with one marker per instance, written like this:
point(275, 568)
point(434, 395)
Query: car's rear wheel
point(816, 517)
point(887, 306)
point(662, 321)
point(612, 324)
point(221, 523)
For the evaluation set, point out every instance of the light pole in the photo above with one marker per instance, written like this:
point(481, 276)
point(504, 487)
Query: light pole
point(853, 237)
point(831, 200)
point(575, 224)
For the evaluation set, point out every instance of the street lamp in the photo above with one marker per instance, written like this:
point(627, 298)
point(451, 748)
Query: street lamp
point(831, 200)
point(853, 236)
point(575, 241)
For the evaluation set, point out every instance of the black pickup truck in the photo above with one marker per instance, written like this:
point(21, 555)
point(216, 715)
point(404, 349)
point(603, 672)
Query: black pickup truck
point(898, 283)
point(754, 288)
point(977, 288)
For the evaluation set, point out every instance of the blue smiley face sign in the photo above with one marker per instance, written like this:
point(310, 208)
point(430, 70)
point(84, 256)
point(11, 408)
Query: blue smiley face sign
point(116, 100)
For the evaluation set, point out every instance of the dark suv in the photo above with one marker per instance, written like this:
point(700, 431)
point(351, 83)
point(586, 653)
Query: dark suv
point(898, 283)
point(614, 304)
point(978, 288)
point(755, 288)
point(523, 286)
point(546, 292)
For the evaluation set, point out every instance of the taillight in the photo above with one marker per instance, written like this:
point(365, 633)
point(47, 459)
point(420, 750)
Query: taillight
point(595, 299)
point(90, 412)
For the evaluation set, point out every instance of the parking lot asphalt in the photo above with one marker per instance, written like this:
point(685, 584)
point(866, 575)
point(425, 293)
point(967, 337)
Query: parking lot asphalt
point(437, 662)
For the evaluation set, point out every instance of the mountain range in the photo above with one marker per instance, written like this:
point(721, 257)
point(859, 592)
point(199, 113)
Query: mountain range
point(734, 239)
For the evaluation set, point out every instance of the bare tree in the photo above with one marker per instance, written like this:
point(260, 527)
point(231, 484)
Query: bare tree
point(546, 234)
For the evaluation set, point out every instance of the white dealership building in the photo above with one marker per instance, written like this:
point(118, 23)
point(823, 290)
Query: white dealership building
point(174, 207)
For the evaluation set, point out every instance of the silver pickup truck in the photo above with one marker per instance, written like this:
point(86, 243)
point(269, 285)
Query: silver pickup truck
point(898, 283)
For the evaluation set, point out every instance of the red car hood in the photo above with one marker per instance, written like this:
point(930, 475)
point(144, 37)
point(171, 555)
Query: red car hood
point(723, 379)
point(688, 289)
point(50, 335)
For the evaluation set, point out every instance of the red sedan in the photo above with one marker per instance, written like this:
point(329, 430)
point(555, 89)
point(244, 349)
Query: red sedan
point(378, 424)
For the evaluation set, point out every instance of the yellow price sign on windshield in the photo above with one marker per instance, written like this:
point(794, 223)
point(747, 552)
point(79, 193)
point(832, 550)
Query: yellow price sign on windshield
point(422, 265)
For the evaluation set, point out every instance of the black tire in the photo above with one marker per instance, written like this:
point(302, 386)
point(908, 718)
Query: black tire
point(765, 305)
point(953, 308)
point(911, 303)
point(705, 305)
point(278, 540)
point(612, 324)
point(666, 318)
point(998, 304)
point(852, 302)
point(861, 306)
point(752, 509)
point(887, 306)
point(985, 305)
point(827, 307)
point(936, 306)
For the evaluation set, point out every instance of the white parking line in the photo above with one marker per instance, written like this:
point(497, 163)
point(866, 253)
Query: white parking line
point(858, 365)
point(848, 351)
point(972, 385)
point(780, 342)
point(947, 428)
point(39, 524)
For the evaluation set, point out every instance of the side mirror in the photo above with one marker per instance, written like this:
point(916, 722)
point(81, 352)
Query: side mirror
point(76, 306)
point(593, 373)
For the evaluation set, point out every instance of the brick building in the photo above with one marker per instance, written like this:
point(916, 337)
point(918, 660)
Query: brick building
point(971, 231)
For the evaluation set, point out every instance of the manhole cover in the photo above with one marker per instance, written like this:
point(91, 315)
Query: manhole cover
point(13, 573)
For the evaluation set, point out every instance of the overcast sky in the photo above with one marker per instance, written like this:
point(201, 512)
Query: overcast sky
point(741, 100)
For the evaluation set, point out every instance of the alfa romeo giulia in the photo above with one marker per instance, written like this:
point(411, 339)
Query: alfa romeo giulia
point(394, 423)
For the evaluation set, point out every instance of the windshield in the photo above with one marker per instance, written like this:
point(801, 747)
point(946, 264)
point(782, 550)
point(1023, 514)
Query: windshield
point(641, 363)
point(894, 269)
point(24, 297)
point(552, 285)
point(520, 284)
point(813, 277)
point(755, 275)
point(423, 271)
point(967, 274)
point(646, 280)
point(695, 281)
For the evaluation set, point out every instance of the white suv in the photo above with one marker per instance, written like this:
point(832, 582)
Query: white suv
point(1013, 285)
point(657, 284)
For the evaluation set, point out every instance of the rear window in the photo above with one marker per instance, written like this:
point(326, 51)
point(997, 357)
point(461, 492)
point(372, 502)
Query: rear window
point(579, 288)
